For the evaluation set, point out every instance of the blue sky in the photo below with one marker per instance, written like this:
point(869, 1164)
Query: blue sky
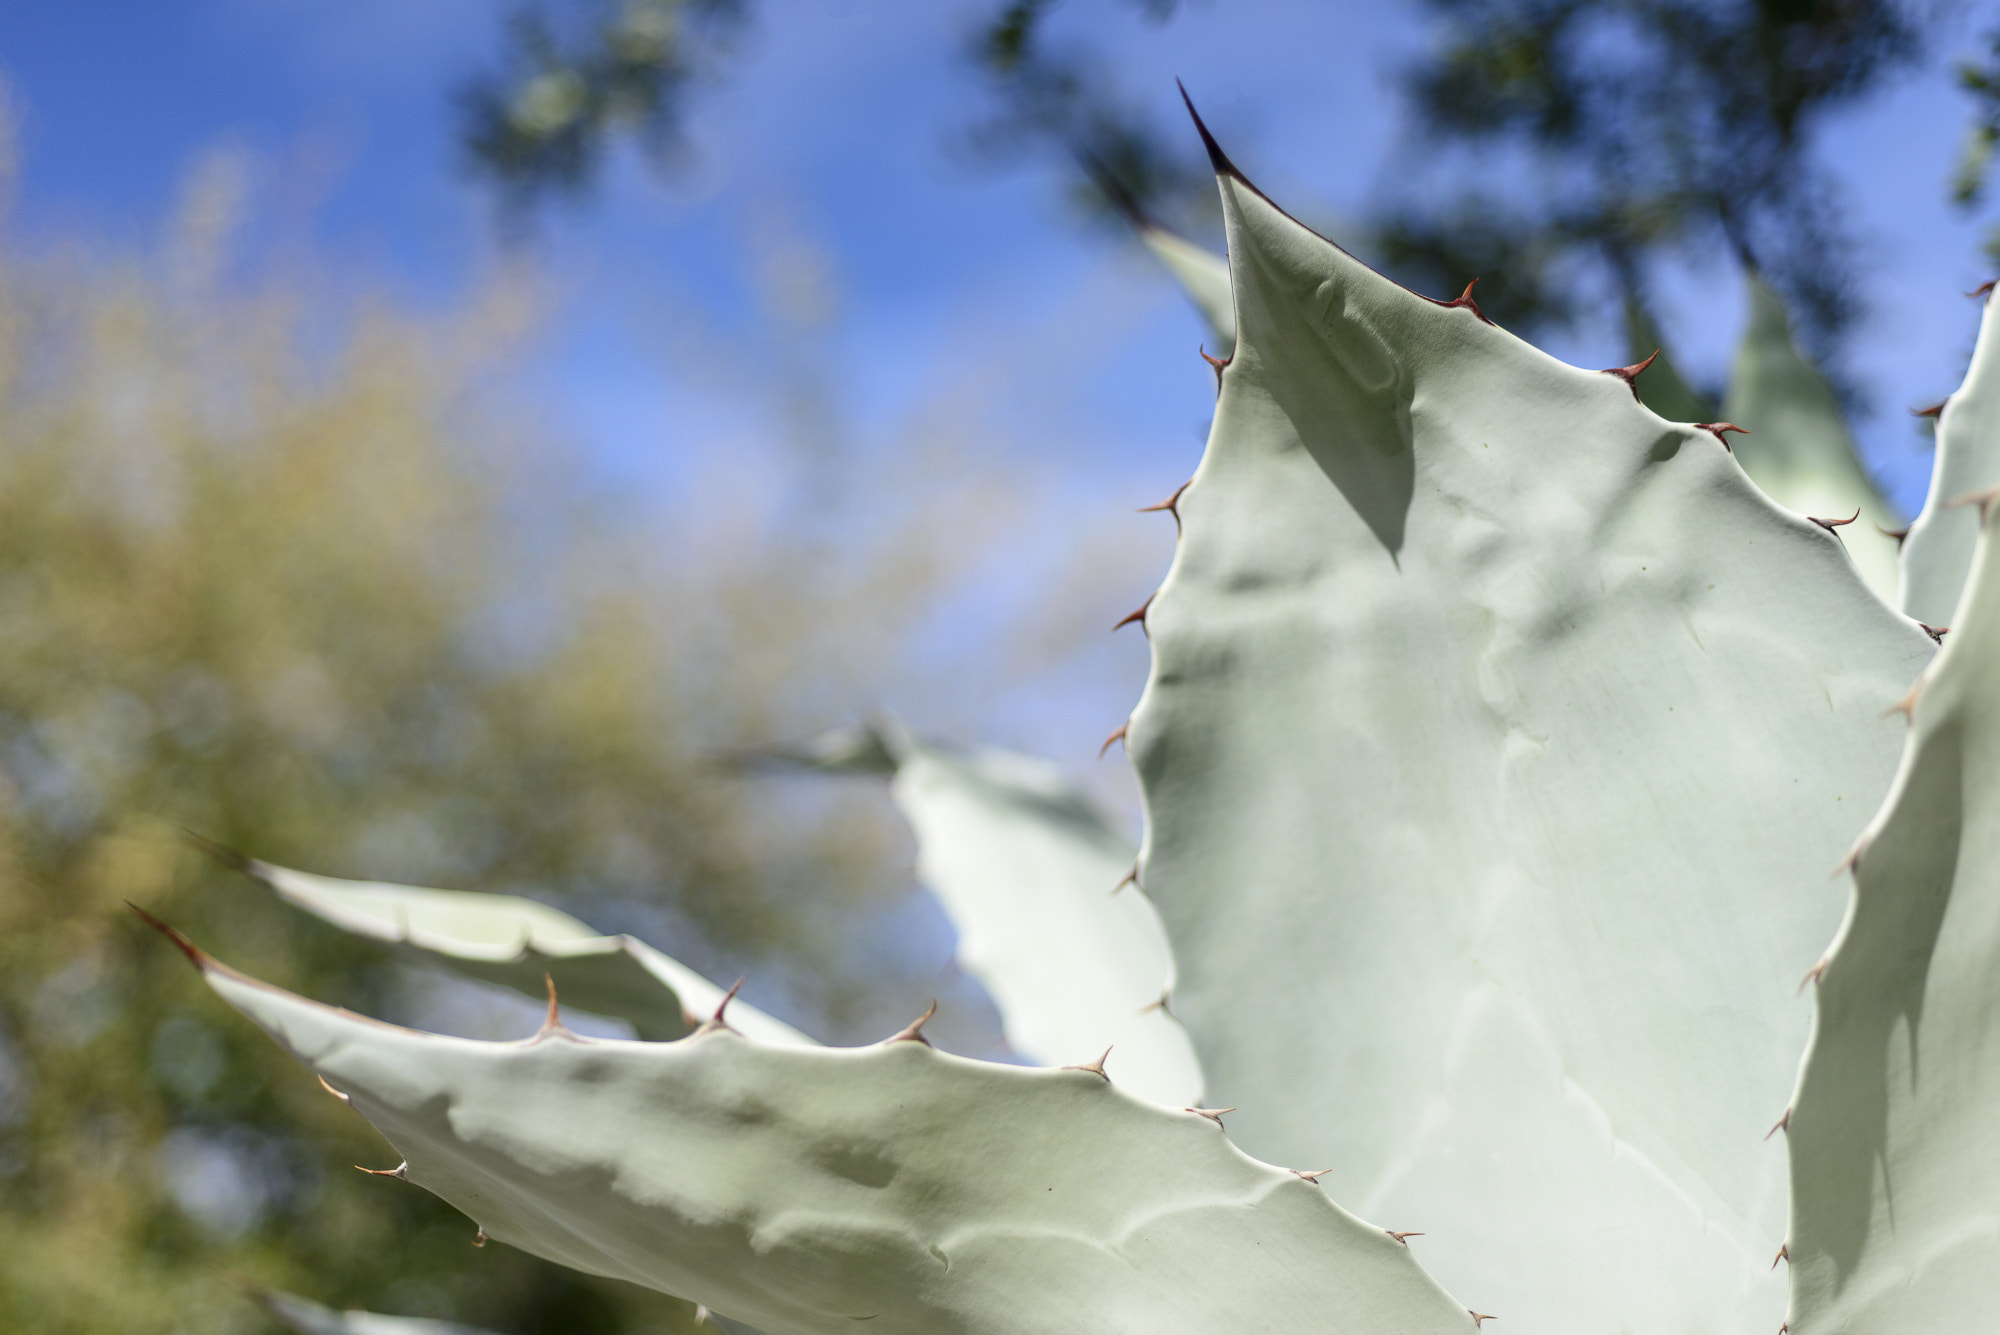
point(824, 168)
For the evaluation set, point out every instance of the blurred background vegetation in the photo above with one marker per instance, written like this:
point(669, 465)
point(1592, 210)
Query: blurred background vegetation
point(290, 567)
point(295, 564)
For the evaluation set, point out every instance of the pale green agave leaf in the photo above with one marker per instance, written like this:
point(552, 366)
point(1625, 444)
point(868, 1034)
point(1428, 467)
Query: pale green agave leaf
point(1499, 738)
point(1894, 1131)
point(311, 1318)
point(1037, 881)
point(1799, 449)
point(808, 1190)
point(521, 944)
point(1938, 552)
point(1203, 276)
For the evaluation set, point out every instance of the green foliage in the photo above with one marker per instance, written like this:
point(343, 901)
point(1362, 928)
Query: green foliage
point(1657, 125)
point(269, 571)
point(1053, 95)
point(1980, 80)
point(543, 125)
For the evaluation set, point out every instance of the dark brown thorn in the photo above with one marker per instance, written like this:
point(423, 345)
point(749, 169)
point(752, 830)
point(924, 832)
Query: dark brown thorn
point(1937, 633)
point(1984, 289)
point(1405, 1235)
point(1137, 614)
point(1095, 1068)
point(1481, 1318)
point(1899, 534)
point(331, 1090)
point(401, 1172)
point(913, 1032)
point(222, 853)
point(716, 1021)
point(479, 1238)
point(1219, 363)
point(1313, 1175)
point(1719, 430)
point(1160, 1005)
point(1933, 410)
point(1784, 1254)
point(1783, 1124)
point(1217, 159)
point(1130, 878)
point(1784, 1328)
point(1464, 299)
point(188, 948)
point(1117, 735)
point(1831, 524)
point(1630, 374)
point(1212, 1114)
point(1172, 505)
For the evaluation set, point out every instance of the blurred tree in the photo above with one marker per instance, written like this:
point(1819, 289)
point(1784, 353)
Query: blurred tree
point(1622, 129)
point(311, 584)
point(1057, 96)
point(1582, 138)
point(1980, 79)
point(577, 80)
point(582, 75)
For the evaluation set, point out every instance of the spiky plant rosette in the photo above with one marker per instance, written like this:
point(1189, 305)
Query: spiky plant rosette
point(1499, 739)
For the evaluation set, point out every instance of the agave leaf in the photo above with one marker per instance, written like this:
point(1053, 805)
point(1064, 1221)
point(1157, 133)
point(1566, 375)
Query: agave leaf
point(311, 1318)
point(1894, 1127)
point(1203, 276)
point(1036, 879)
point(804, 1190)
point(1799, 449)
point(520, 944)
point(1498, 740)
point(1938, 552)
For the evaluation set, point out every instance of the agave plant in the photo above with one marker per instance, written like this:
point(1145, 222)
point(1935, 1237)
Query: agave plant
point(1499, 739)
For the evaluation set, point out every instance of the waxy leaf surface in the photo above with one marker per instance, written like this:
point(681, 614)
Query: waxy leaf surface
point(1036, 879)
point(1499, 740)
point(1938, 552)
point(893, 1189)
point(520, 943)
point(1894, 1132)
point(311, 1318)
